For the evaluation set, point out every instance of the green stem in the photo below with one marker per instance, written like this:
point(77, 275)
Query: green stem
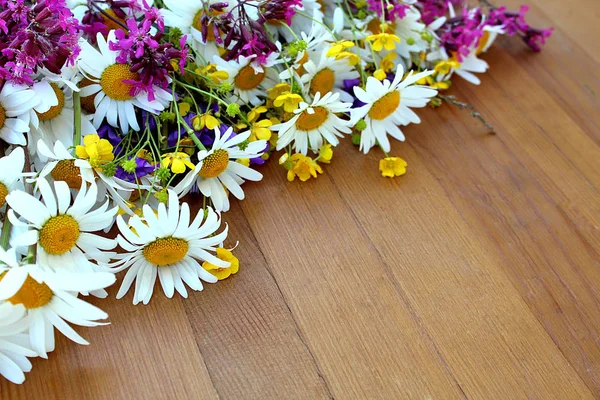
point(192, 134)
point(5, 235)
point(77, 112)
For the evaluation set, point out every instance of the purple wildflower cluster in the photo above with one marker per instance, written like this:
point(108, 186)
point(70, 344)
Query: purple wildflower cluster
point(146, 53)
point(433, 9)
point(515, 24)
point(394, 9)
point(43, 35)
point(462, 32)
point(244, 36)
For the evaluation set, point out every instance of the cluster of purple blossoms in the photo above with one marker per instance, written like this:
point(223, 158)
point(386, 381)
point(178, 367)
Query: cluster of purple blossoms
point(433, 9)
point(515, 24)
point(43, 35)
point(394, 9)
point(146, 54)
point(240, 34)
point(462, 32)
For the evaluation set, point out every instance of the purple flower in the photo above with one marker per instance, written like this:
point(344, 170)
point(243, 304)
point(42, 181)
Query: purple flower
point(44, 35)
point(143, 168)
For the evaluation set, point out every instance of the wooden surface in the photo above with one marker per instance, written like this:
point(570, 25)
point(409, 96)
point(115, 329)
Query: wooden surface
point(476, 275)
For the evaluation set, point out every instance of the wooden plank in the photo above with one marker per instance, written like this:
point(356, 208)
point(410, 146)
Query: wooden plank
point(364, 336)
point(247, 334)
point(146, 351)
point(485, 332)
point(503, 203)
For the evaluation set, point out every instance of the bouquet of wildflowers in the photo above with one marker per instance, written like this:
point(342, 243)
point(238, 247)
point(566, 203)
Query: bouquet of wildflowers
point(115, 114)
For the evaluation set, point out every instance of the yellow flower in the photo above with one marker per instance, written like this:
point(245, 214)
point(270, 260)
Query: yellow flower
point(353, 59)
point(254, 114)
point(383, 41)
point(244, 161)
point(97, 151)
point(177, 161)
point(184, 109)
point(392, 166)
point(429, 81)
point(211, 72)
point(444, 67)
point(379, 74)
point(276, 90)
point(303, 167)
point(205, 120)
point(325, 153)
point(223, 273)
point(288, 100)
point(387, 64)
point(260, 130)
point(338, 47)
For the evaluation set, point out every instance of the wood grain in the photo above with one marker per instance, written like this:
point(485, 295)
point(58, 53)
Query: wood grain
point(475, 276)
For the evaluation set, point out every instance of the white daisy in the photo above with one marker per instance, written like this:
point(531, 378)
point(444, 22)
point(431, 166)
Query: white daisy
point(328, 75)
point(167, 245)
point(408, 29)
point(490, 33)
point(218, 168)
point(50, 299)
point(187, 16)
point(113, 100)
point(14, 343)
point(469, 65)
point(301, 20)
point(62, 166)
point(63, 230)
point(11, 172)
point(313, 123)
point(15, 102)
point(249, 82)
point(387, 105)
point(57, 122)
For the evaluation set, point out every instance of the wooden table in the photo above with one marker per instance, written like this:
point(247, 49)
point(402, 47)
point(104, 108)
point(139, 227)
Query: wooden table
point(476, 275)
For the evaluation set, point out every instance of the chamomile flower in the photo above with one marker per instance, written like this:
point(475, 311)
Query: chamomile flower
point(165, 244)
point(328, 75)
point(466, 68)
point(62, 166)
point(218, 168)
point(15, 102)
point(187, 16)
point(388, 105)
point(113, 97)
point(313, 123)
point(57, 122)
point(50, 299)
point(14, 343)
point(248, 81)
point(490, 33)
point(63, 230)
point(11, 172)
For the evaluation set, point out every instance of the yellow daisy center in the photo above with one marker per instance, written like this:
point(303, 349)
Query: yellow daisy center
point(165, 251)
point(59, 234)
point(3, 193)
point(375, 27)
point(32, 294)
point(308, 122)
point(482, 42)
point(248, 79)
point(214, 164)
point(322, 82)
point(300, 63)
point(2, 116)
point(112, 81)
point(87, 103)
point(385, 106)
point(54, 111)
point(65, 170)
point(110, 24)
